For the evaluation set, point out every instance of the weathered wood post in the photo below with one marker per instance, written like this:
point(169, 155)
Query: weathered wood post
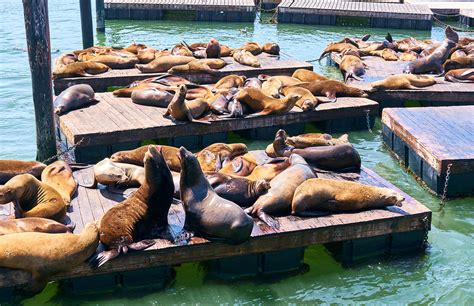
point(86, 23)
point(39, 54)
point(100, 15)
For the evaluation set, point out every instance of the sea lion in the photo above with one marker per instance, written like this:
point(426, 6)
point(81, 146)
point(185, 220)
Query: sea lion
point(263, 105)
point(408, 44)
point(465, 75)
point(208, 66)
point(459, 63)
point(307, 101)
point(239, 190)
point(179, 110)
point(135, 48)
point(277, 201)
point(136, 156)
point(253, 82)
point(284, 79)
point(79, 69)
point(182, 50)
point(74, 97)
point(32, 198)
point(239, 166)
point(271, 87)
point(146, 55)
point(305, 75)
point(230, 81)
point(271, 48)
point(251, 47)
point(218, 104)
point(408, 56)
point(164, 63)
point(109, 173)
point(434, 61)
point(351, 66)
point(332, 89)
point(116, 61)
point(403, 81)
point(213, 49)
point(334, 158)
point(65, 59)
point(335, 47)
point(11, 168)
point(124, 225)
point(269, 170)
point(41, 225)
point(315, 140)
point(59, 176)
point(207, 213)
point(152, 97)
point(319, 196)
point(457, 54)
point(44, 255)
point(216, 155)
point(246, 58)
point(386, 54)
point(226, 51)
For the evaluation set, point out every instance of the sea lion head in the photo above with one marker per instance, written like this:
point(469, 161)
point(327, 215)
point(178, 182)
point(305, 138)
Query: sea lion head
point(308, 105)
point(451, 34)
point(6, 194)
point(156, 168)
point(59, 110)
point(191, 171)
point(392, 197)
point(107, 173)
point(279, 143)
point(182, 90)
point(292, 98)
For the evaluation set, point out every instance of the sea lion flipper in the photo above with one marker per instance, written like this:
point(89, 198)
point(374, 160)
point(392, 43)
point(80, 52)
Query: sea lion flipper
point(270, 221)
point(141, 245)
point(388, 37)
point(331, 96)
point(98, 260)
point(365, 37)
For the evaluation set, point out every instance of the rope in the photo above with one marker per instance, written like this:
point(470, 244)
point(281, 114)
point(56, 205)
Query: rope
point(61, 153)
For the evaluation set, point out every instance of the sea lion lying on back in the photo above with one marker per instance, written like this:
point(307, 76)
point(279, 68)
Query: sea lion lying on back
point(41, 225)
point(11, 168)
point(74, 97)
point(263, 105)
point(319, 196)
point(403, 81)
point(136, 156)
point(465, 75)
point(459, 63)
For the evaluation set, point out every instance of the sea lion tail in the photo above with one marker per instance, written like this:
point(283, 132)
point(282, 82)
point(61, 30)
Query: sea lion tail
point(365, 37)
point(389, 38)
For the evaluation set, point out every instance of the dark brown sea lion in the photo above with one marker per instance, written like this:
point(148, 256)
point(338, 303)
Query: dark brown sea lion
point(74, 97)
point(465, 75)
point(124, 225)
point(332, 89)
point(262, 105)
point(457, 54)
point(32, 198)
point(179, 110)
point(239, 190)
point(277, 201)
point(213, 49)
point(307, 101)
point(305, 75)
point(271, 48)
point(459, 63)
point(164, 63)
point(11, 168)
point(215, 156)
point(40, 225)
point(409, 44)
point(246, 58)
point(59, 176)
point(44, 255)
point(403, 81)
point(230, 81)
point(136, 156)
point(218, 104)
point(152, 97)
point(335, 158)
point(434, 61)
point(319, 196)
point(207, 213)
point(79, 69)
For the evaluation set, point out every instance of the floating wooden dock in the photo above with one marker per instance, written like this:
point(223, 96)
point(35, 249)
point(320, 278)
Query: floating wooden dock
point(198, 10)
point(117, 123)
point(347, 13)
point(387, 230)
point(466, 17)
point(441, 94)
point(430, 140)
point(272, 65)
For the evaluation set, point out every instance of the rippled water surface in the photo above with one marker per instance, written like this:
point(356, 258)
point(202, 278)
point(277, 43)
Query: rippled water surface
point(444, 274)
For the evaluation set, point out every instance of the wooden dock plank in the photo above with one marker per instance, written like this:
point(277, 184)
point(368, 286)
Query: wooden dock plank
point(295, 232)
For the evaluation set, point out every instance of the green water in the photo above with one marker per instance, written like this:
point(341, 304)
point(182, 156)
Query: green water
point(443, 274)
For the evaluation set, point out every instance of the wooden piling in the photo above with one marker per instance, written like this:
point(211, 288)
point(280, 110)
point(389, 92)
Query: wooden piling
point(100, 15)
point(86, 23)
point(39, 54)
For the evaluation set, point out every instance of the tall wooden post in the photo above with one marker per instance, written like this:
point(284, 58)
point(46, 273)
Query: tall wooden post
point(39, 54)
point(86, 23)
point(100, 15)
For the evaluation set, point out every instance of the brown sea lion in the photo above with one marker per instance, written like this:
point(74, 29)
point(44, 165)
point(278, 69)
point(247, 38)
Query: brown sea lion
point(457, 54)
point(239, 190)
point(335, 47)
point(152, 97)
point(179, 110)
point(146, 55)
point(142, 85)
point(459, 63)
point(307, 101)
point(44, 255)
point(252, 47)
point(215, 156)
point(40, 225)
point(408, 56)
point(59, 176)
point(277, 201)
point(319, 196)
point(434, 61)
point(305, 75)
point(181, 50)
point(271, 48)
point(164, 63)
point(263, 105)
point(230, 81)
point(408, 44)
point(386, 54)
point(315, 140)
point(65, 59)
point(124, 225)
point(271, 87)
point(351, 66)
point(136, 156)
point(213, 49)
point(226, 51)
point(284, 79)
point(74, 97)
point(239, 166)
point(199, 66)
point(135, 48)
point(403, 81)
point(334, 158)
point(465, 75)
point(332, 89)
point(32, 198)
point(246, 58)
point(207, 213)
point(79, 69)
point(11, 168)
point(116, 61)
point(269, 170)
